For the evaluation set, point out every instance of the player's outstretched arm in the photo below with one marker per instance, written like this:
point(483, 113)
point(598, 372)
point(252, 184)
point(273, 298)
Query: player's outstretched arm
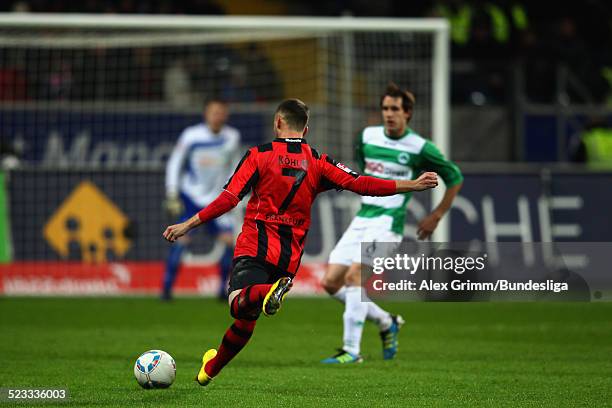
point(173, 232)
point(425, 181)
point(244, 178)
point(373, 186)
point(222, 204)
point(338, 176)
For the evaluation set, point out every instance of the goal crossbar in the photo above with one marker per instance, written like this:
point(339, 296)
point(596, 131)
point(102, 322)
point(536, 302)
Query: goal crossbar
point(312, 24)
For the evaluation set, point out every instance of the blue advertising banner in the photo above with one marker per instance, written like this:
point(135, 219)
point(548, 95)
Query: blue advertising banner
point(531, 208)
point(57, 136)
point(105, 214)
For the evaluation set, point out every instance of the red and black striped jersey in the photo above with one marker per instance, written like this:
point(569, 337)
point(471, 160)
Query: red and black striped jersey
point(285, 176)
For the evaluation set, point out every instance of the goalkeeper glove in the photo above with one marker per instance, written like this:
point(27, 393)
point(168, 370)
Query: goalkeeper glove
point(173, 205)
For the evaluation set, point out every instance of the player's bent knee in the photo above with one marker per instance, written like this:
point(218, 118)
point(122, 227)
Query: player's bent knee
point(353, 277)
point(245, 314)
point(331, 286)
point(240, 312)
point(232, 295)
point(333, 279)
point(242, 315)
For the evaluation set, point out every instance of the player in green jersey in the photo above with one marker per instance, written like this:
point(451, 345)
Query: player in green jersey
point(390, 151)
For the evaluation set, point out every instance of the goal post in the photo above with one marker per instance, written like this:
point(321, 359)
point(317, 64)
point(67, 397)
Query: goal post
point(99, 100)
point(255, 27)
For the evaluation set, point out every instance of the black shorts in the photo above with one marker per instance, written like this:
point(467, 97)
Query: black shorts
point(248, 271)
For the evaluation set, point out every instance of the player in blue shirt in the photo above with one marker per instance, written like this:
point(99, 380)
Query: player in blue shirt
point(199, 166)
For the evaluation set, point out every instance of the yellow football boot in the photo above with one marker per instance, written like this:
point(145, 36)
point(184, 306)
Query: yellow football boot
point(202, 378)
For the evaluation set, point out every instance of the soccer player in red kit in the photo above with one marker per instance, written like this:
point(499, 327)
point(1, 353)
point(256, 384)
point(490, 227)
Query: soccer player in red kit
point(284, 176)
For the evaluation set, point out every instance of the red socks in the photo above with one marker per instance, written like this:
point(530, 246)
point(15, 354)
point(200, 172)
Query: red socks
point(248, 302)
point(236, 337)
point(245, 307)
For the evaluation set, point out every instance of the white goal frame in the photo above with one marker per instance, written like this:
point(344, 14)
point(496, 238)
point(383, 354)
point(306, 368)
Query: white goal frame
point(439, 28)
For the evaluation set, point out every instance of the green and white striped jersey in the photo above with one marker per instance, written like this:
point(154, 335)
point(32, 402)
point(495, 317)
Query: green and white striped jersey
point(404, 158)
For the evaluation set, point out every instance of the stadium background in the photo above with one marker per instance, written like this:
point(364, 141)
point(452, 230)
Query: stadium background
point(86, 130)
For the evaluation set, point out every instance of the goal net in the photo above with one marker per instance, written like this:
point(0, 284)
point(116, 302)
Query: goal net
point(91, 106)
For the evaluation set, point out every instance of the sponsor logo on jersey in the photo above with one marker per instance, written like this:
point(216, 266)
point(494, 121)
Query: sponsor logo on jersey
point(380, 170)
point(205, 162)
point(285, 219)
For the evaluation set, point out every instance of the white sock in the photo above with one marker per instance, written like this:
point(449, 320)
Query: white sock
point(340, 294)
point(355, 312)
point(375, 313)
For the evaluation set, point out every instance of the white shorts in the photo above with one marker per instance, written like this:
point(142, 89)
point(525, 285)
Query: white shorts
point(348, 249)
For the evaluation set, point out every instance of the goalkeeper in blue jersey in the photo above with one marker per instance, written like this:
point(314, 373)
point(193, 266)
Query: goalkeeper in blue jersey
point(389, 151)
point(199, 166)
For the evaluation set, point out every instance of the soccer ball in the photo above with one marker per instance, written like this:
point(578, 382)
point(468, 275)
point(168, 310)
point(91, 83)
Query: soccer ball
point(155, 369)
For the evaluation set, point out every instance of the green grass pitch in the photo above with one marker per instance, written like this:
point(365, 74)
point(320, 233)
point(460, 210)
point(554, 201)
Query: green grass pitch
point(451, 354)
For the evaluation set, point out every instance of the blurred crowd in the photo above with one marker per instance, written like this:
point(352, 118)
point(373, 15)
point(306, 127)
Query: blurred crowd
point(550, 48)
point(115, 6)
point(180, 76)
point(545, 46)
